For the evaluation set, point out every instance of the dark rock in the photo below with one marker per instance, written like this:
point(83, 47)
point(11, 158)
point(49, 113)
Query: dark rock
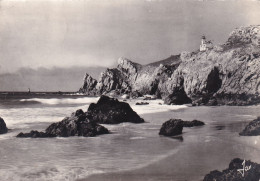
point(214, 81)
point(142, 103)
point(212, 102)
point(193, 123)
point(174, 127)
point(3, 128)
point(111, 111)
point(171, 127)
point(252, 129)
point(35, 134)
point(135, 94)
point(178, 97)
point(232, 173)
point(149, 98)
point(78, 124)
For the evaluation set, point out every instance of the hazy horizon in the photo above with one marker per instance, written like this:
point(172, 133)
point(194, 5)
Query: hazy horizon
point(65, 34)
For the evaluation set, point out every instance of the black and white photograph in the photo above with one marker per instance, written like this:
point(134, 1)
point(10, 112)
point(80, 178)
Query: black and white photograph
point(129, 90)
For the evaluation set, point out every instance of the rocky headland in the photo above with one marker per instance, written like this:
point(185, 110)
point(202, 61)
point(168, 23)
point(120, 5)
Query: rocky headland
point(226, 74)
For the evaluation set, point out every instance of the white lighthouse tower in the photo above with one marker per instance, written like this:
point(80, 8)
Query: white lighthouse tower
point(205, 45)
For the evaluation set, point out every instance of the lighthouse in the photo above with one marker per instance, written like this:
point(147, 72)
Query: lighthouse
point(205, 45)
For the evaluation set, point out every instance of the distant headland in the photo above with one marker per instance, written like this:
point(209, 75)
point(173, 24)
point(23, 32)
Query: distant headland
point(226, 74)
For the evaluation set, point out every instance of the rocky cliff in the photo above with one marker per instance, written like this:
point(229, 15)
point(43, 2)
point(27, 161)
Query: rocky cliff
point(226, 74)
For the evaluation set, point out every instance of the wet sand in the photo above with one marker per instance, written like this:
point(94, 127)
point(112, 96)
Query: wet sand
point(201, 150)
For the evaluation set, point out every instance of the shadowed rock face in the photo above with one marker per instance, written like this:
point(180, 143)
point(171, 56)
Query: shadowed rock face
point(252, 129)
point(78, 124)
point(3, 128)
point(224, 75)
point(111, 111)
point(214, 81)
point(35, 134)
point(174, 127)
point(232, 173)
point(178, 97)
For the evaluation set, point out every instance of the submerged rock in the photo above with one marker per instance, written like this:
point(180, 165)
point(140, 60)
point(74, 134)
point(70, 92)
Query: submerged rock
point(251, 172)
point(252, 129)
point(3, 128)
point(171, 127)
point(111, 111)
point(76, 125)
point(174, 127)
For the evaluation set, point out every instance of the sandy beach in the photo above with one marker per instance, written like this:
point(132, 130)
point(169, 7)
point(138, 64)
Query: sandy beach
point(200, 150)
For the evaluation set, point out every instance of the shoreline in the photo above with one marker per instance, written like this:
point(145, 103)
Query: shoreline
point(196, 156)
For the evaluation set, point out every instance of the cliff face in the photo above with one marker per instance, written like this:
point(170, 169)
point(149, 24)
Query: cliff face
point(225, 74)
point(89, 85)
point(131, 77)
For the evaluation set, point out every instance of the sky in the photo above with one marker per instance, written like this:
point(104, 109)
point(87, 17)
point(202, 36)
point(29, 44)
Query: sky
point(64, 34)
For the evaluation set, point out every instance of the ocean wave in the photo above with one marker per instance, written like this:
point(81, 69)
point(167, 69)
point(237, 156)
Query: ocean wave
point(50, 173)
point(55, 101)
point(155, 106)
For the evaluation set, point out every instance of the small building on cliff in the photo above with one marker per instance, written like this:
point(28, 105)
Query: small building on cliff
point(205, 45)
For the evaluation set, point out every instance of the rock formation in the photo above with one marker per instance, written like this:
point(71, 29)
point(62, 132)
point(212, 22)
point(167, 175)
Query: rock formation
point(252, 129)
point(141, 103)
point(78, 124)
point(251, 172)
point(89, 85)
point(106, 110)
point(111, 111)
point(174, 127)
point(193, 123)
point(3, 128)
point(226, 74)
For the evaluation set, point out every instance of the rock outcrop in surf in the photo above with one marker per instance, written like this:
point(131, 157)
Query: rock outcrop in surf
point(78, 124)
point(3, 128)
point(106, 111)
point(252, 129)
point(248, 171)
point(111, 111)
point(226, 74)
point(174, 127)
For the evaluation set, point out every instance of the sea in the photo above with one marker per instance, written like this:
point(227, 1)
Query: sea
point(129, 147)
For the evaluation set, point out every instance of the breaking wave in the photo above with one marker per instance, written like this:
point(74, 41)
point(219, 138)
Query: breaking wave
point(55, 101)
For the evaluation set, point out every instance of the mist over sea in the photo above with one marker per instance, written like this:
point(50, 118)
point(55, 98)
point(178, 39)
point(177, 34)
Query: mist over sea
point(129, 147)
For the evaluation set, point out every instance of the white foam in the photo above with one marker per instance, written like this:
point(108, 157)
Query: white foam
point(155, 106)
point(137, 138)
point(54, 101)
point(23, 117)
